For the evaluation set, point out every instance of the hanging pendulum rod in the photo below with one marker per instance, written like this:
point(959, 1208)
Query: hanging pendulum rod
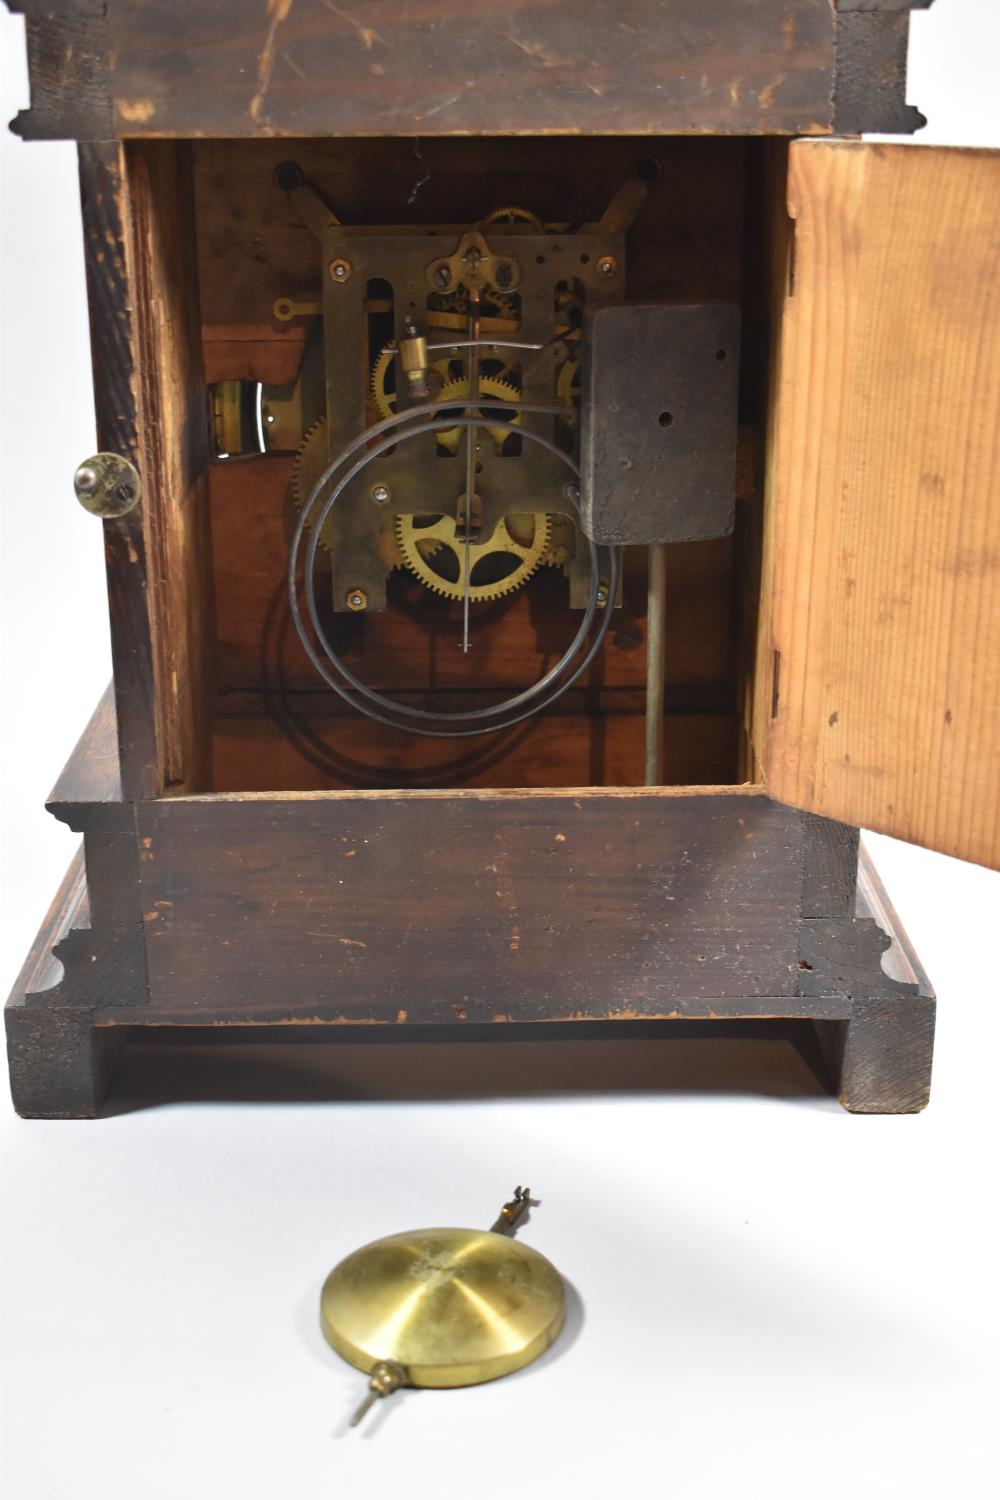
point(656, 663)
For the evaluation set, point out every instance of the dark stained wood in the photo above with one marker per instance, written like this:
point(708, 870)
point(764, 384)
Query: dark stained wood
point(829, 868)
point(175, 453)
point(415, 911)
point(869, 89)
point(91, 778)
point(104, 945)
point(63, 1038)
point(310, 751)
point(399, 911)
point(71, 93)
point(70, 909)
point(886, 1059)
point(149, 390)
point(880, 1062)
point(309, 67)
point(59, 1064)
point(529, 907)
point(106, 235)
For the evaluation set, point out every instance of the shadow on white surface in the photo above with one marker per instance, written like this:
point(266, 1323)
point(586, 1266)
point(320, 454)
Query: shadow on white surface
point(348, 1385)
point(382, 1412)
point(736, 1058)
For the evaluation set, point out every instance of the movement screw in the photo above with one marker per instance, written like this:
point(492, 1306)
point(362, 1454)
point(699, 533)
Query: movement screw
point(607, 265)
point(381, 494)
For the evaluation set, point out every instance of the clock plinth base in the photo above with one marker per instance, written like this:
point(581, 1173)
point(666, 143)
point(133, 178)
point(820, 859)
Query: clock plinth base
point(285, 914)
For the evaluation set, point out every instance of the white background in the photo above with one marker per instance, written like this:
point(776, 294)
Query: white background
point(771, 1297)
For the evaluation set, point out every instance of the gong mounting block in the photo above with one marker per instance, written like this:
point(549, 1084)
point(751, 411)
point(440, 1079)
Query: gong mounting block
point(438, 1308)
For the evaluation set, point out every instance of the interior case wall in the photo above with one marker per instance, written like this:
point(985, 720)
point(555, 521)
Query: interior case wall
point(264, 721)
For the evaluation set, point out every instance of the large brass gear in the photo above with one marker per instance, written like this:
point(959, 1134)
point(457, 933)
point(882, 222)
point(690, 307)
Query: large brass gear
point(310, 462)
point(500, 393)
point(433, 550)
point(513, 217)
point(446, 378)
point(385, 400)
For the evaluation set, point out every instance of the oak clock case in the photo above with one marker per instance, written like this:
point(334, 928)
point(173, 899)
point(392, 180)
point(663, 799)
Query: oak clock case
point(493, 551)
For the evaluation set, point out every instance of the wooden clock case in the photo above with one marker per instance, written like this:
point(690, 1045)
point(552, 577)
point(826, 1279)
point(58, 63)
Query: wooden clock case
point(253, 857)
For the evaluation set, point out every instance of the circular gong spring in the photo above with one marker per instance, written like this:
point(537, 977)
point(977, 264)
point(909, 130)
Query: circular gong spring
point(411, 423)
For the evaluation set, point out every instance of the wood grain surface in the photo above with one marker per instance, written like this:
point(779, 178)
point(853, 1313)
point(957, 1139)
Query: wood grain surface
point(252, 248)
point(468, 906)
point(106, 214)
point(150, 401)
point(174, 452)
point(311, 67)
point(600, 744)
point(884, 505)
point(141, 68)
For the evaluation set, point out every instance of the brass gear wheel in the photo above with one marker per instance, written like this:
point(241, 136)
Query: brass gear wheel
point(569, 315)
point(568, 389)
point(385, 400)
point(451, 301)
point(432, 549)
point(514, 217)
point(500, 393)
point(310, 462)
point(447, 380)
point(569, 310)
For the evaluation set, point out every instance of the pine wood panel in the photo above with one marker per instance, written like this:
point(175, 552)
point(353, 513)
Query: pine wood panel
point(885, 505)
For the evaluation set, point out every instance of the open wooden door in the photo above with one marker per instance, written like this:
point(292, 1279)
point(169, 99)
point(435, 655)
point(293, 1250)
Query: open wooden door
point(880, 651)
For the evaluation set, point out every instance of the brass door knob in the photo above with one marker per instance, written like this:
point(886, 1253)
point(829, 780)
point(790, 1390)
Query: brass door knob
point(107, 485)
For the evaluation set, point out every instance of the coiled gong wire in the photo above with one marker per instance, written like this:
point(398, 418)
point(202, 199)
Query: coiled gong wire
point(401, 426)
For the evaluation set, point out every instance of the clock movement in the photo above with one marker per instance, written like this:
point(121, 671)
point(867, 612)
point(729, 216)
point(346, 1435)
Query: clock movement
point(544, 463)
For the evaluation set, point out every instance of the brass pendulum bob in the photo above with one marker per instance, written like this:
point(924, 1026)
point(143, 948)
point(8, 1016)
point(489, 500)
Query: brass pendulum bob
point(443, 1307)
